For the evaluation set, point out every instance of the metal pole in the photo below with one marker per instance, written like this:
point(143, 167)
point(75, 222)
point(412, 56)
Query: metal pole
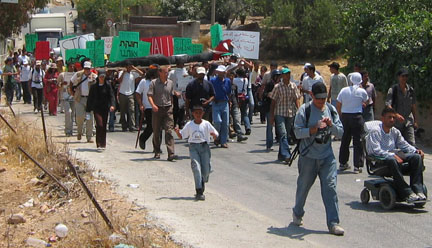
point(121, 14)
point(44, 129)
point(213, 12)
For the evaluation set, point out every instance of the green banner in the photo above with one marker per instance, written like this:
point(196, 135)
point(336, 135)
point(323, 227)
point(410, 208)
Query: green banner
point(144, 49)
point(182, 45)
point(115, 49)
point(30, 42)
point(96, 50)
point(216, 34)
point(76, 55)
point(196, 49)
point(129, 45)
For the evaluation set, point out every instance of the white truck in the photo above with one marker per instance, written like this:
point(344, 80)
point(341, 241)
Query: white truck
point(48, 26)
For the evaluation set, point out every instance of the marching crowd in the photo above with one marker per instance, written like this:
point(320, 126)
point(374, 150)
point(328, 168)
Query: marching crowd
point(219, 100)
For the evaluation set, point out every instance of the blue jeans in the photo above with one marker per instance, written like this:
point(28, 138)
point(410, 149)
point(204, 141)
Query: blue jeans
point(284, 125)
point(221, 120)
point(200, 162)
point(111, 120)
point(269, 132)
point(251, 104)
point(326, 169)
point(18, 93)
point(244, 116)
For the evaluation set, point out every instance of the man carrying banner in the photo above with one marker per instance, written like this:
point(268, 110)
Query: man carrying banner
point(80, 87)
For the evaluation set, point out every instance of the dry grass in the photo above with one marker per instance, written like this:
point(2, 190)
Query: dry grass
point(75, 210)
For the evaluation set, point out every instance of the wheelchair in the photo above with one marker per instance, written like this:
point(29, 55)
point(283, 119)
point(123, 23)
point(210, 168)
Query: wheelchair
point(383, 188)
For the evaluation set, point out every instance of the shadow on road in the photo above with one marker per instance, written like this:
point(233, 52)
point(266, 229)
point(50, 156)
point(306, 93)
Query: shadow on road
point(292, 231)
point(87, 150)
point(181, 198)
point(376, 208)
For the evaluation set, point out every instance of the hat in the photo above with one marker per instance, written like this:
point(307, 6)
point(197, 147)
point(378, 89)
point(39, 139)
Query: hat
point(53, 65)
point(101, 73)
point(197, 107)
point(38, 62)
point(319, 90)
point(402, 72)
point(355, 78)
point(276, 72)
point(201, 70)
point(221, 68)
point(25, 61)
point(87, 65)
point(307, 65)
point(285, 71)
point(334, 65)
point(59, 59)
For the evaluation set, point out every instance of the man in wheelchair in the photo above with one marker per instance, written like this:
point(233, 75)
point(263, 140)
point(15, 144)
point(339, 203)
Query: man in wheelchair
point(386, 142)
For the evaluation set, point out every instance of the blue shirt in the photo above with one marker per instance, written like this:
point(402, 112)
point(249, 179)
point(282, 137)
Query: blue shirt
point(222, 88)
point(308, 147)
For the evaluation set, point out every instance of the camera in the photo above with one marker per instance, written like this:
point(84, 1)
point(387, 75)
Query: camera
point(323, 135)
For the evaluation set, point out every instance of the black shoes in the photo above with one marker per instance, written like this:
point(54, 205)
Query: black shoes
point(172, 157)
point(241, 138)
point(248, 131)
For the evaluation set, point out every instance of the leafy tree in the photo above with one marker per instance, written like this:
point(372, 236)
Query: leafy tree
point(386, 35)
point(14, 16)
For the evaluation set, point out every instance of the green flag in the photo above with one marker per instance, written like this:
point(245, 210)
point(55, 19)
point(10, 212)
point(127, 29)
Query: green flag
point(216, 34)
point(30, 40)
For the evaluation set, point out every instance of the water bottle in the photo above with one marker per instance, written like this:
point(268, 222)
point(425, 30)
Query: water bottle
point(37, 243)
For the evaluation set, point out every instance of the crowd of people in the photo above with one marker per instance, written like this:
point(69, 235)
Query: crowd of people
point(219, 100)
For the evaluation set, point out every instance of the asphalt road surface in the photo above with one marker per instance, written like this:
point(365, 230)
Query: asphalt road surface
point(249, 197)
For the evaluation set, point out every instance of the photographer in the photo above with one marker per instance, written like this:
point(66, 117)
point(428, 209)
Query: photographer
point(199, 92)
point(314, 124)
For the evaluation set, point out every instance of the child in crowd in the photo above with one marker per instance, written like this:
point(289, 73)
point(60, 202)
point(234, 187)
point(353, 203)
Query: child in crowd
point(198, 132)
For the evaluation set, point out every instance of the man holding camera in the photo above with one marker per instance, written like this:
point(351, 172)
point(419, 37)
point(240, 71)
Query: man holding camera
point(199, 92)
point(314, 124)
point(350, 103)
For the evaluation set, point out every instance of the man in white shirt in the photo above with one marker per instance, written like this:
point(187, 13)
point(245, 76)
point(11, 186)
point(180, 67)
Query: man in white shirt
point(25, 81)
point(309, 80)
point(350, 104)
point(126, 97)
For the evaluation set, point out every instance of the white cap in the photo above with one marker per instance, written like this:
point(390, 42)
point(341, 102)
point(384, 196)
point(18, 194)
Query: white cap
point(87, 65)
point(221, 68)
point(306, 65)
point(355, 78)
point(201, 70)
point(38, 62)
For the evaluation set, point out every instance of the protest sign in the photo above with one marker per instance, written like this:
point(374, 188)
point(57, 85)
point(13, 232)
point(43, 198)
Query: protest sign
point(129, 46)
point(182, 45)
point(115, 49)
point(96, 52)
point(108, 44)
point(68, 37)
point(144, 48)
point(30, 40)
point(53, 42)
point(246, 43)
point(77, 42)
point(76, 55)
point(216, 35)
point(196, 49)
point(42, 50)
point(161, 45)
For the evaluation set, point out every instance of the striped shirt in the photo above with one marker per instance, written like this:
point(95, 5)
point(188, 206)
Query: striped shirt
point(285, 96)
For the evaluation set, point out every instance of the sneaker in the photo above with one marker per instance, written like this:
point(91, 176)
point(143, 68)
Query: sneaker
point(157, 156)
point(200, 197)
point(241, 138)
point(358, 169)
point(343, 167)
point(224, 146)
point(35, 111)
point(412, 198)
point(337, 230)
point(298, 221)
point(248, 131)
point(421, 196)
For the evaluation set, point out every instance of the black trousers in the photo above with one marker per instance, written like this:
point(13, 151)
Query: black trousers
point(353, 129)
point(415, 171)
point(178, 113)
point(100, 118)
point(37, 98)
point(148, 131)
point(26, 91)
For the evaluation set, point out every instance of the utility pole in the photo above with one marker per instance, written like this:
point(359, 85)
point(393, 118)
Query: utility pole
point(121, 14)
point(213, 12)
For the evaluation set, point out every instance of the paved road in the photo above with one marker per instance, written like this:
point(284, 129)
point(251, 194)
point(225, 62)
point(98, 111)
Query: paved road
point(249, 197)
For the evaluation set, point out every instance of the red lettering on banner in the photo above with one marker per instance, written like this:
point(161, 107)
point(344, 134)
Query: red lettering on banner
point(161, 45)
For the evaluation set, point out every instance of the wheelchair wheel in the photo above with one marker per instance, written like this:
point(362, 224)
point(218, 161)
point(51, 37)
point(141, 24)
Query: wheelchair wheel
point(365, 196)
point(387, 197)
point(420, 205)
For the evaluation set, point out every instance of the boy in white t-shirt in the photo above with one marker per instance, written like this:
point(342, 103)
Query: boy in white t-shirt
point(198, 132)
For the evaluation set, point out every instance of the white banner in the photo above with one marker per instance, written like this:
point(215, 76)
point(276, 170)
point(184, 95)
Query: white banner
point(75, 43)
point(53, 42)
point(108, 44)
point(247, 43)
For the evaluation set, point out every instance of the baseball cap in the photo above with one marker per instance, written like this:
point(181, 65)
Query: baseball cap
point(334, 65)
point(221, 68)
point(38, 62)
point(285, 70)
point(402, 72)
point(275, 72)
point(201, 70)
point(59, 59)
point(307, 65)
point(355, 78)
point(87, 65)
point(101, 73)
point(319, 90)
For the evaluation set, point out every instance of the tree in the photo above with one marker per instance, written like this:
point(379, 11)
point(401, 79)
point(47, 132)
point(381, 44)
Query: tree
point(15, 15)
